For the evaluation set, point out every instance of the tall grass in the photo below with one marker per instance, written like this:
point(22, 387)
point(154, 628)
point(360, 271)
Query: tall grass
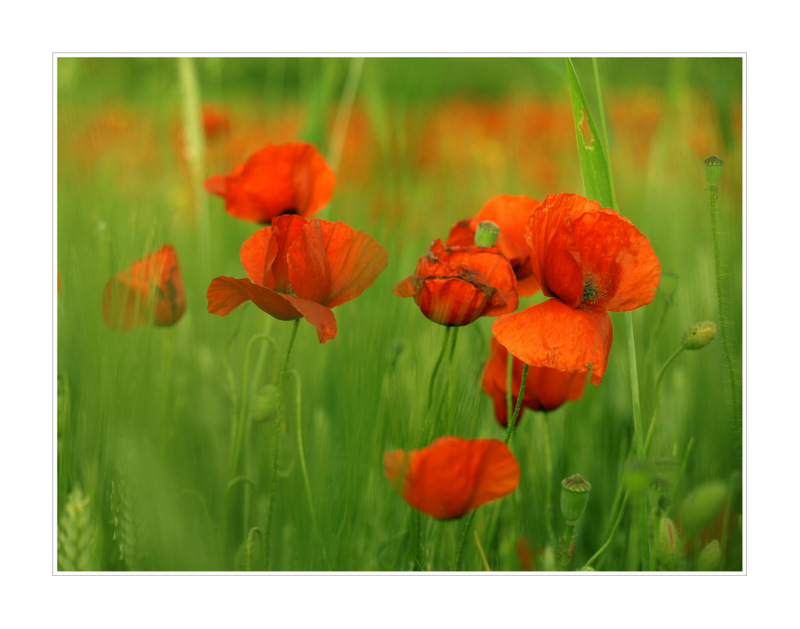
point(144, 420)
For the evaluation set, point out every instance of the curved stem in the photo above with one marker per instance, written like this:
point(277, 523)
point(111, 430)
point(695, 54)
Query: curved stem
point(651, 428)
point(428, 412)
point(467, 526)
point(513, 421)
point(276, 438)
point(611, 534)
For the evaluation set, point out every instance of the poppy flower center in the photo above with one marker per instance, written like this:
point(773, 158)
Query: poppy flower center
point(591, 291)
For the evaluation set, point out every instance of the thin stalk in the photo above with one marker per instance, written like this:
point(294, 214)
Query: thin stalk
point(467, 526)
point(651, 428)
point(604, 129)
point(428, 411)
point(276, 437)
point(513, 420)
point(568, 535)
point(723, 322)
point(613, 532)
point(548, 459)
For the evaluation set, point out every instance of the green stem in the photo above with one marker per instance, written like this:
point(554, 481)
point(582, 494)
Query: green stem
point(512, 422)
point(461, 544)
point(568, 535)
point(613, 532)
point(428, 412)
point(276, 437)
point(723, 322)
point(651, 428)
point(605, 132)
point(548, 458)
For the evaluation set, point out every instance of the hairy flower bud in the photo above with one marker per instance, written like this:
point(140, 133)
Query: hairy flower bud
point(699, 335)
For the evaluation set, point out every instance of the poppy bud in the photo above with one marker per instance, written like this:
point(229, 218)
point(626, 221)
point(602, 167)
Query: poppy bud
point(265, 406)
point(710, 558)
point(486, 234)
point(699, 335)
point(668, 547)
point(702, 505)
point(713, 169)
point(574, 496)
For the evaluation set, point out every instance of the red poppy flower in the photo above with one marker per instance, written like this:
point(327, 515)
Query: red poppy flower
point(151, 289)
point(545, 389)
point(455, 286)
point(301, 268)
point(510, 214)
point(453, 476)
point(291, 178)
point(590, 260)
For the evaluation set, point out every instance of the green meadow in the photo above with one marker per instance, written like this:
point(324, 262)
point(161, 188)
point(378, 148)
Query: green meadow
point(166, 435)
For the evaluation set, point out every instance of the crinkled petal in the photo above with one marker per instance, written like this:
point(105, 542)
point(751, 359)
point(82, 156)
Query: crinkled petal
point(552, 334)
point(224, 294)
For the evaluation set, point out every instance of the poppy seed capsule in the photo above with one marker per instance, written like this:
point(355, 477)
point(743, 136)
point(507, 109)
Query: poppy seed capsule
point(713, 169)
point(574, 496)
point(486, 234)
point(699, 335)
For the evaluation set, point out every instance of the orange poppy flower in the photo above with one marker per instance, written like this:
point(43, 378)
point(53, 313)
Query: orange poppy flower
point(590, 260)
point(291, 178)
point(510, 214)
point(455, 286)
point(151, 289)
point(453, 476)
point(301, 268)
point(545, 389)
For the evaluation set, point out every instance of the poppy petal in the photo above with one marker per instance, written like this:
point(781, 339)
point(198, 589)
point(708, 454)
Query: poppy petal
point(227, 293)
point(318, 315)
point(453, 476)
point(552, 334)
point(253, 255)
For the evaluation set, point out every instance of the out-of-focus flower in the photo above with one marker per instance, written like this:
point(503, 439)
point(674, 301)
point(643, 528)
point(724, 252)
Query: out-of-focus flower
point(455, 286)
point(301, 268)
point(590, 260)
point(150, 290)
point(291, 178)
point(452, 476)
point(545, 389)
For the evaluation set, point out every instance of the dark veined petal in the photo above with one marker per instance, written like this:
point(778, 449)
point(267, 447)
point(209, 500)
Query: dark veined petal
point(453, 476)
point(552, 334)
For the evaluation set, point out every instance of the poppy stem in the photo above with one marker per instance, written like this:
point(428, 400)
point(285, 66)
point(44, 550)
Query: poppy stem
point(464, 535)
point(513, 421)
point(428, 413)
point(568, 535)
point(659, 378)
point(276, 438)
point(548, 460)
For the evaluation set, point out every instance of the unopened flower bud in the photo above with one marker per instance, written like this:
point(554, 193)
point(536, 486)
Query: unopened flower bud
point(713, 169)
point(699, 335)
point(710, 558)
point(702, 506)
point(486, 234)
point(265, 406)
point(668, 547)
point(574, 496)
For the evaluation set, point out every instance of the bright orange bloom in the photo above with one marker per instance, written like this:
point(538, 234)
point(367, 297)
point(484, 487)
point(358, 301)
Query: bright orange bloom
point(545, 389)
point(510, 214)
point(453, 476)
point(301, 268)
point(455, 286)
point(590, 260)
point(291, 178)
point(151, 289)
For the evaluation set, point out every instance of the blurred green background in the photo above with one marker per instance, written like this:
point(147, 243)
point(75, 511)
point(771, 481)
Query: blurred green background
point(144, 417)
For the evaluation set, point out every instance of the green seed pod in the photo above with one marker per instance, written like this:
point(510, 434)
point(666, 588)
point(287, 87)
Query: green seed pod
point(486, 234)
point(713, 169)
point(574, 496)
point(265, 406)
point(699, 335)
point(702, 505)
point(710, 558)
point(669, 544)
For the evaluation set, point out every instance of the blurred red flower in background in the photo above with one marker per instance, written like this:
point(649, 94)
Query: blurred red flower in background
point(453, 476)
point(301, 268)
point(455, 286)
point(545, 389)
point(290, 178)
point(590, 260)
point(151, 289)
point(510, 214)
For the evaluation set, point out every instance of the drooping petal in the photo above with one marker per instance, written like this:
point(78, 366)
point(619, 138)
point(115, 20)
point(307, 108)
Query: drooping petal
point(545, 389)
point(453, 476)
point(552, 334)
point(452, 300)
point(318, 315)
point(224, 294)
